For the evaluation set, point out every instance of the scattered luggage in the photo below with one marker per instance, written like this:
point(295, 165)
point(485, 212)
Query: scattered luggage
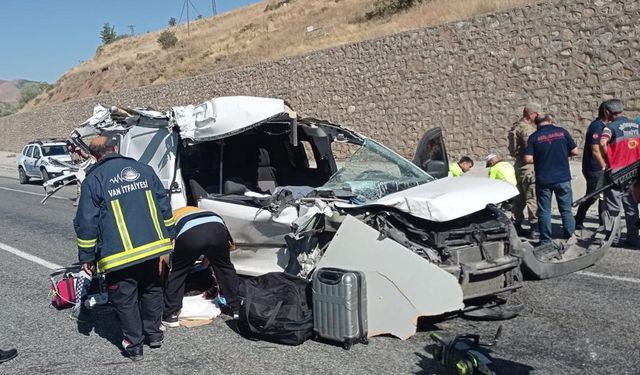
point(340, 306)
point(276, 307)
point(63, 292)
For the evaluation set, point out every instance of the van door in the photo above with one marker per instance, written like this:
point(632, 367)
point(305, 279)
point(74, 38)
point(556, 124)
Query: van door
point(431, 154)
point(30, 161)
point(158, 148)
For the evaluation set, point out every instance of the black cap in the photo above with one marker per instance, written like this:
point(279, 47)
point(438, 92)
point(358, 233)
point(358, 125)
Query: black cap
point(614, 106)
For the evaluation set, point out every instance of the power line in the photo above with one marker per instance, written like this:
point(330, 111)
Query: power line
point(185, 9)
point(194, 8)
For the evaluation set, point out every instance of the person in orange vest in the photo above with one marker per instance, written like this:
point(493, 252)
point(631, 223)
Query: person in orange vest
point(199, 232)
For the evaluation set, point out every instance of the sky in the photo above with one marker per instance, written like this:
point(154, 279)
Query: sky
point(41, 39)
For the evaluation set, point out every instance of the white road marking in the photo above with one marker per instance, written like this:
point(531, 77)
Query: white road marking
point(29, 257)
point(610, 277)
point(31, 193)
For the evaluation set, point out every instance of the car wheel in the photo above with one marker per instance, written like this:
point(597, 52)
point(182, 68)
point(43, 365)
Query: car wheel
point(22, 176)
point(44, 174)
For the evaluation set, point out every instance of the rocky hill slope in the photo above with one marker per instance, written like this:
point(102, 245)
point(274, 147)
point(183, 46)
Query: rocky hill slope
point(261, 32)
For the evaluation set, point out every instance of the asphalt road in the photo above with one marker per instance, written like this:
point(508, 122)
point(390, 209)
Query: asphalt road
point(585, 323)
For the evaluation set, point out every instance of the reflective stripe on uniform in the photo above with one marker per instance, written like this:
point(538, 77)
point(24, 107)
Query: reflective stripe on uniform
point(87, 243)
point(133, 255)
point(169, 222)
point(122, 226)
point(154, 213)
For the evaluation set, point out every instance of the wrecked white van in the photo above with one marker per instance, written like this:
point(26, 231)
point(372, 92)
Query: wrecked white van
point(427, 246)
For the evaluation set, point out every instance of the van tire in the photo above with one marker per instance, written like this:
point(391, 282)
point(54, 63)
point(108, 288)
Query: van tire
point(22, 176)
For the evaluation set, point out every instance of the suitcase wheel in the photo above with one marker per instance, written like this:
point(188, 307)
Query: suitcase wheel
point(346, 346)
point(365, 341)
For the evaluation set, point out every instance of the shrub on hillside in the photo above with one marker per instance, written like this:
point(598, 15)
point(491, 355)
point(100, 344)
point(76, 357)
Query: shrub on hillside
point(385, 8)
point(167, 39)
point(30, 91)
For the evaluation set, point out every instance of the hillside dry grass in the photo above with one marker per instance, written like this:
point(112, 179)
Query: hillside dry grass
point(248, 36)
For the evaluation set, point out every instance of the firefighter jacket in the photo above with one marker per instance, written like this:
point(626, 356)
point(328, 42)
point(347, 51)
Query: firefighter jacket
point(124, 215)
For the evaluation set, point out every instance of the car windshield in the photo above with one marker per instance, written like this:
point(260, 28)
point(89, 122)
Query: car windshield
point(54, 150)
point(375, 171)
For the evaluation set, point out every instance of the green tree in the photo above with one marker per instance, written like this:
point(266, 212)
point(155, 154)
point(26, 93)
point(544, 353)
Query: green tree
point(30, 91)
point(172, 22)
point(167, 39)
point(108, 33)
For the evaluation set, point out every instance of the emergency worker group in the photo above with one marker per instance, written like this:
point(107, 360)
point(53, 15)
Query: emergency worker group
point(541, 151)
point(125, 229)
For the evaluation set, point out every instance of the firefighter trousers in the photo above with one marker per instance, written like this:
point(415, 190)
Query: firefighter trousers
point(136, 294)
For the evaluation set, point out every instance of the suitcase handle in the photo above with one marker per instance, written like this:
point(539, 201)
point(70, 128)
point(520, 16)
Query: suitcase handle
point(330, 276)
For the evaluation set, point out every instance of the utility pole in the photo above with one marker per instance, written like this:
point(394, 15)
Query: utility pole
point(132, 27)
point(214, 10)
point(186, 4)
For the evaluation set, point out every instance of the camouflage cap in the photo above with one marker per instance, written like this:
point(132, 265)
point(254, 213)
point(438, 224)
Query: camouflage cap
point(533, 107)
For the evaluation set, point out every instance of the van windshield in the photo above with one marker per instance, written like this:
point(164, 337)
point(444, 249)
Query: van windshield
point(375, 171)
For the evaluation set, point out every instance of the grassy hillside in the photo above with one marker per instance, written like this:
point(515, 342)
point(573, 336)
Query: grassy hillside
point(265, 31)
point(15, 94)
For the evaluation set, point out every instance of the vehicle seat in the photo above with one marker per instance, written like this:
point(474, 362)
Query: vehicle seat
point(266, 173)
point(197, 190)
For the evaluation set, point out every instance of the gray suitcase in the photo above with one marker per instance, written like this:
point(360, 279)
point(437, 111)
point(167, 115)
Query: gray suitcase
point(340, 306)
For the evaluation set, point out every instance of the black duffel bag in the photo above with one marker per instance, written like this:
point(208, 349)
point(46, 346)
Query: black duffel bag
point(276, 307)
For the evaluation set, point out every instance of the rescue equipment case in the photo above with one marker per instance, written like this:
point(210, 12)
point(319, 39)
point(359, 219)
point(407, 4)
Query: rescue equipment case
point(340, 306)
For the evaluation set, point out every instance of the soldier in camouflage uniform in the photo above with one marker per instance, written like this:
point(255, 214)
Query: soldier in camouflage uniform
point(525, 175)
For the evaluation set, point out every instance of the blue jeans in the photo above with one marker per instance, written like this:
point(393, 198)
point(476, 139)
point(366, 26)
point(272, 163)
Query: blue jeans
point(564, 197)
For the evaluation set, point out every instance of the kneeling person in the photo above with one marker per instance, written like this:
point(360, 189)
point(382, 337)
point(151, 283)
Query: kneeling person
point(461, 167)
point(199, 232)
point(500, 169)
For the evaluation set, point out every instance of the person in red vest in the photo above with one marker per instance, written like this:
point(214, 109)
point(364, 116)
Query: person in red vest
point(620, 146)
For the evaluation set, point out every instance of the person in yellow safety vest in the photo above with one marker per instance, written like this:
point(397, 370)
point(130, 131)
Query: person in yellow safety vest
point(500, 169)
point(463, 166)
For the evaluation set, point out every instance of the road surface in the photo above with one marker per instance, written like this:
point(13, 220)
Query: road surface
point(584, 323)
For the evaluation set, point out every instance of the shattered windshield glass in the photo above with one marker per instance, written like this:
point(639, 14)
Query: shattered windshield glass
point(375, 171)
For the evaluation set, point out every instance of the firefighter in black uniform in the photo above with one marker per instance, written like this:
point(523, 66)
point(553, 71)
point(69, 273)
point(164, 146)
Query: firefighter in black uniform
point(123, 225)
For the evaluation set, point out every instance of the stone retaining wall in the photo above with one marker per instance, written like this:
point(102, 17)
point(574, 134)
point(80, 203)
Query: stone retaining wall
point(470, 77)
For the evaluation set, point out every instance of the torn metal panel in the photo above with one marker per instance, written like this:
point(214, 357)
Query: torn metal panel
point(401, 286)
point(220, 117)
point(254, 261)
point(579, 252)
point(251, 225)
point(446, 199)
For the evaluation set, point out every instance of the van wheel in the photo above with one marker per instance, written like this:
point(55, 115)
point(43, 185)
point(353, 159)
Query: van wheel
point(22, 176)
point(44, 174)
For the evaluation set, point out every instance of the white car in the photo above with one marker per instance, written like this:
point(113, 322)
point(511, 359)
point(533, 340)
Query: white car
point(43, 159)
point(427, 246)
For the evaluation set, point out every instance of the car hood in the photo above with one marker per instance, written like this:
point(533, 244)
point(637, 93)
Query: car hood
point(446, 199)
point(63, 158)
